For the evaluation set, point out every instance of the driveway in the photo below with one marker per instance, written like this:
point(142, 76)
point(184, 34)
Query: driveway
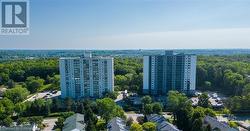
point(133, 115)
point(49, 123)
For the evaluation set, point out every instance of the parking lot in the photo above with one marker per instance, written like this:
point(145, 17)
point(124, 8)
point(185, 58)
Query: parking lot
point(215, 99)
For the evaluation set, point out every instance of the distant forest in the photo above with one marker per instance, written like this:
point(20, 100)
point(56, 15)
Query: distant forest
point(31, 54)
point(229, 75)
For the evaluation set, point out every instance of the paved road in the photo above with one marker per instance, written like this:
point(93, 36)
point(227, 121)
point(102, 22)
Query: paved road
point(119, 97)
point(46, 94)
point(50, 123)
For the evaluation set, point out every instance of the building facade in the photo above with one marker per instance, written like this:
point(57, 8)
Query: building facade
point(170, 71)
point(86, 76)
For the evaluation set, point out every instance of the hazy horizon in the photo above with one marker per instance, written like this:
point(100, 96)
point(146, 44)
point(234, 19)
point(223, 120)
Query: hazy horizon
point(140, 24)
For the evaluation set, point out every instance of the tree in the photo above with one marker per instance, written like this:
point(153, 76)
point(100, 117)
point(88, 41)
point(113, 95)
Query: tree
point(246, 89)
point(226, 111)
point(22, 121)
point(201, 73)
point(204, 100)
point(234, 81)
point(208, 128)
point(108, 109)
point(210, 112)
point(120, 80)
point(233, 124)
point(101, 125)
point(183, 117)
point(6, 108)
point(34, 83)
point(3, 78)
point(7, 122)
point(140, 119)
point(208, 84)
point(90, 119)
point(112, 95)
point(239, 103)
point(197, 125)
point(20, 108)
point(90, 126)
point(36, 120)
point(129, 121)
point(157, 107)
point(198, 112)
point(197, 118)
point(175, 101)
point(146, 100)
point(148, 109)
point(136, 127)
point(149, 126)
point(11, 84)
point(47, 107)
point(39, 107)
point(225, 73)
point(59, 123)
point(69, 102)
point(55, 82)
point(182, 109)
point(17, 94)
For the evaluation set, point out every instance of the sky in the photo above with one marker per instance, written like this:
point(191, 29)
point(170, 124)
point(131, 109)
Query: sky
point(135, 24)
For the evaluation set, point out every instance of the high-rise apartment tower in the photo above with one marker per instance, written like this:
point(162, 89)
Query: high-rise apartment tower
point(170, 71)
point(86, 76)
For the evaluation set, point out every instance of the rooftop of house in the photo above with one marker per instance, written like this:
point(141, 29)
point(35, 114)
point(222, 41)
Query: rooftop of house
point(75, 121)
point(217, 124)
point(117, 124)
point(162, 124)
point(19, 128)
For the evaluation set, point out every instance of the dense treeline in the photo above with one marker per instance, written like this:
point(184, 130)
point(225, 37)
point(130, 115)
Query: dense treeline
point(19, 70)
point(240, 103)
point(227, 74)
point(222, 73)
point(230, 75)
point(128, 74)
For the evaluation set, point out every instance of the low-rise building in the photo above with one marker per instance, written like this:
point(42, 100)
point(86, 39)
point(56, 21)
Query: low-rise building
point(20, 128)
point(117, 124)
point(162, 124)
point(217, 125)
point(74, 123)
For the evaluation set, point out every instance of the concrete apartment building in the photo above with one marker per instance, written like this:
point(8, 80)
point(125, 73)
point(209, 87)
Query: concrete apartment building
point(86, 76)
point(170, 71)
